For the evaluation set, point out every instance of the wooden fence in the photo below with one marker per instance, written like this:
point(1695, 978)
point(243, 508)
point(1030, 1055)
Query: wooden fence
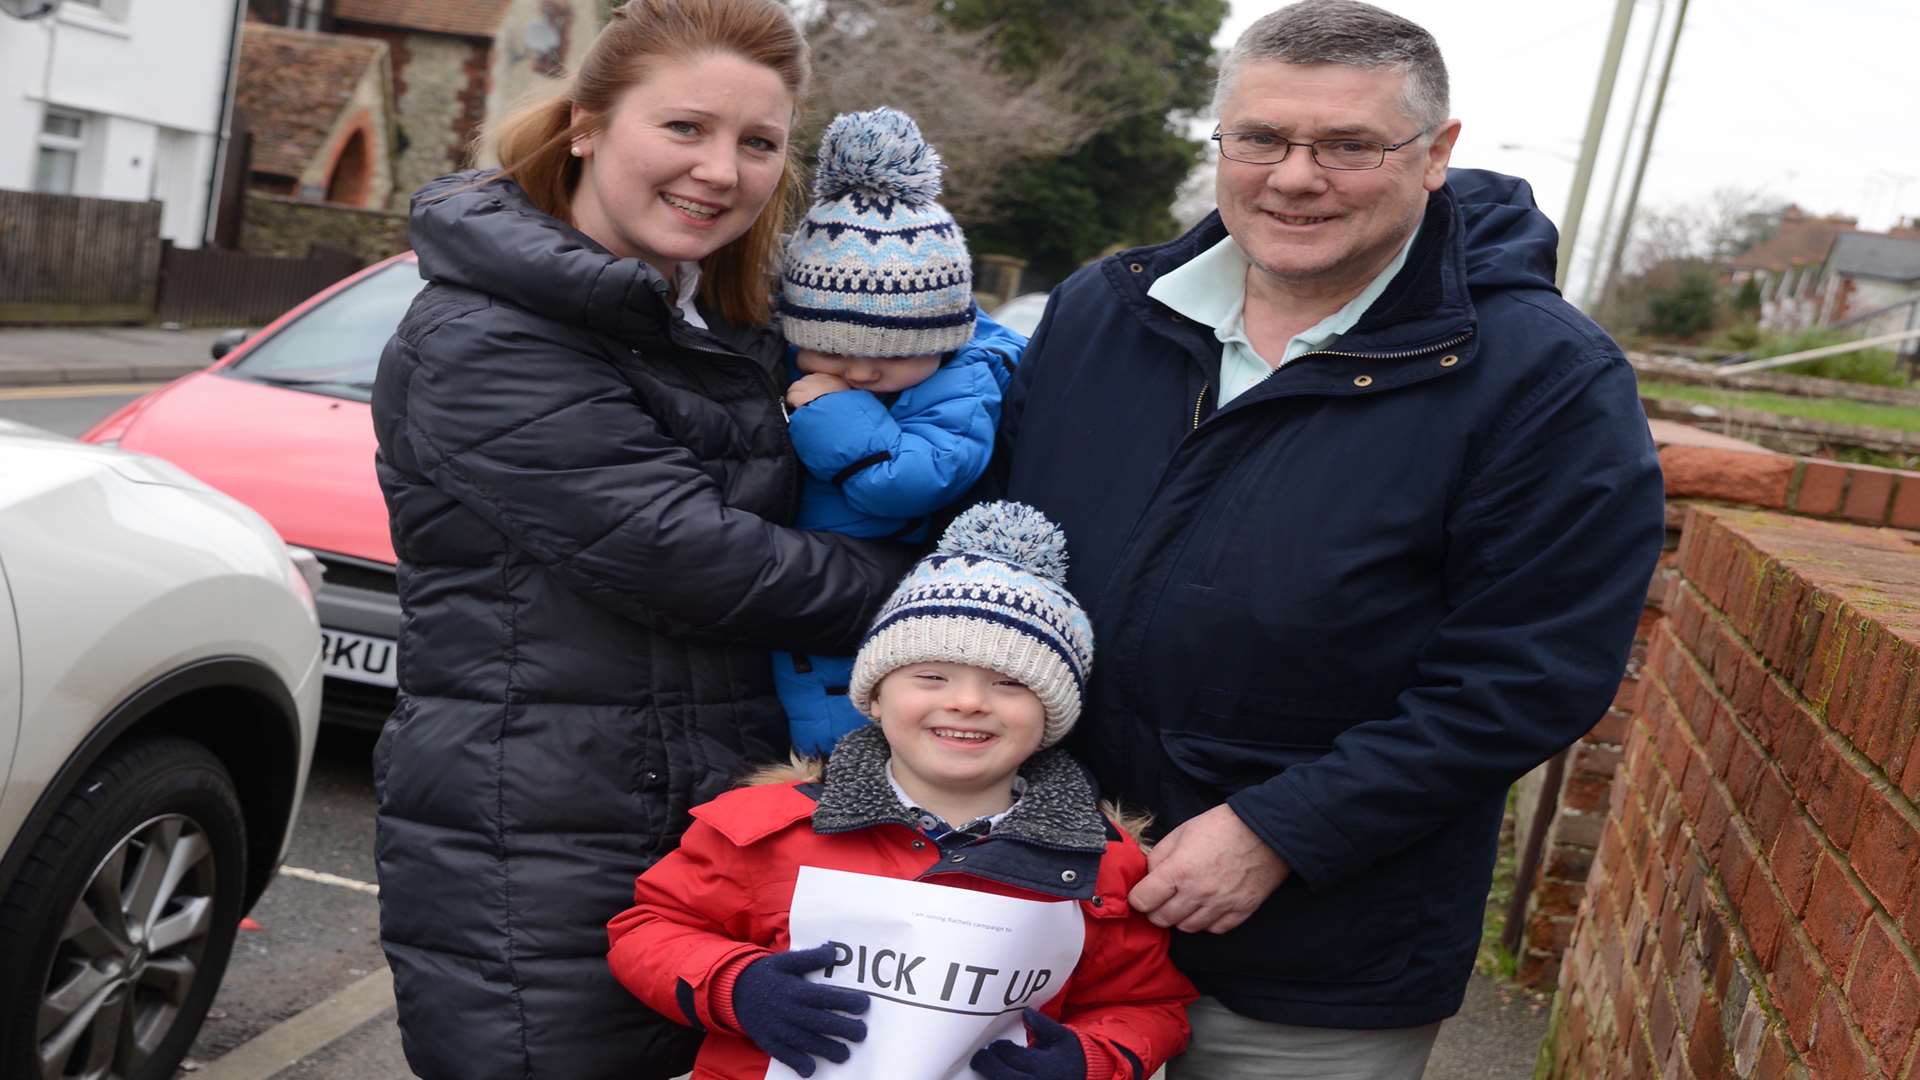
point(211, 287)
point(66, 258)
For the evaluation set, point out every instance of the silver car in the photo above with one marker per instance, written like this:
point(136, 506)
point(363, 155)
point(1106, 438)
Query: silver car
point(159, 694)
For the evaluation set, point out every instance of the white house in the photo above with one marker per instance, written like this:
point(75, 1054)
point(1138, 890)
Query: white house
point(120, 99)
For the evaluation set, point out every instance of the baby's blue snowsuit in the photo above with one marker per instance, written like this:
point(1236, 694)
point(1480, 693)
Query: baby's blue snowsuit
point(878, 469)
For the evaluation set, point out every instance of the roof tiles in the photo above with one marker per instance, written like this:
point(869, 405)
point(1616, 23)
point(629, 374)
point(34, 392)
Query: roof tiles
point(293, 84)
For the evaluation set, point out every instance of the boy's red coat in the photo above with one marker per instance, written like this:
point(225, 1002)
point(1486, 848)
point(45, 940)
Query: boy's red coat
point(723, 897)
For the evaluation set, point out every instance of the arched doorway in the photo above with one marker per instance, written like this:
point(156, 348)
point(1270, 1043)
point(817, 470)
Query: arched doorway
point(352, 172)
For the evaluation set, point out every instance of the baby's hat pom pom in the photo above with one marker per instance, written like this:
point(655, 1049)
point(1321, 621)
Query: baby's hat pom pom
point(877, 153)
point(1010, 532)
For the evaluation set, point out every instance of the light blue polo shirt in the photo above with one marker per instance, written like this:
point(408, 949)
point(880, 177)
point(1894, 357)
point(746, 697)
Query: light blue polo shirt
point(1211, 289)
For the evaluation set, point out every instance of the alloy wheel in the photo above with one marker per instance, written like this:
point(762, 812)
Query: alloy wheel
point(129, 953)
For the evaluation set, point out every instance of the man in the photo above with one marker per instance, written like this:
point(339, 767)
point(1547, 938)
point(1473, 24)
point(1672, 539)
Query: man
point(1364, 514)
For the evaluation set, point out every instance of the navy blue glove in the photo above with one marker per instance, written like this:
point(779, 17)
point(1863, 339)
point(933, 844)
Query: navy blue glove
point(791, 1018)
point(1054, 1055)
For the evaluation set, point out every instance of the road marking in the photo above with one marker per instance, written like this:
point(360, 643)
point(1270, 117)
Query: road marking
point(33, 393)
point(290, 1041)
point(321, 877)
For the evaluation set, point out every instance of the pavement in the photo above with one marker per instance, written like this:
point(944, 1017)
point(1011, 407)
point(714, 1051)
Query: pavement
point(51, 356)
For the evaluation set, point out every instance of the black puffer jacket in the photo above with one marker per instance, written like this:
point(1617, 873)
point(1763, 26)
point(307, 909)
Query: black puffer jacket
point(586, 495)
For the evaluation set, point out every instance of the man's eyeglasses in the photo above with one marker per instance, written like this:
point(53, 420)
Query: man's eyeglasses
point(1266, 148)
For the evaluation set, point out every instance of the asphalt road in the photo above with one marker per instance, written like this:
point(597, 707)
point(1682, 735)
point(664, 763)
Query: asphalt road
point(69, 410)
point(306, 998)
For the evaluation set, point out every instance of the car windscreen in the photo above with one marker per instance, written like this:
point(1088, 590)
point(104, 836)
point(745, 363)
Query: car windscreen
point(335, 347)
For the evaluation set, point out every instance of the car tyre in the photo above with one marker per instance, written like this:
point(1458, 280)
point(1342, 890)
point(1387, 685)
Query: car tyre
point(115, 933)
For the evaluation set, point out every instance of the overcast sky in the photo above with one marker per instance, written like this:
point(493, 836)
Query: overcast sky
point(1817, 103)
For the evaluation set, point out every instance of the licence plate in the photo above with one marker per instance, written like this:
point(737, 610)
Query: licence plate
point(357, 657)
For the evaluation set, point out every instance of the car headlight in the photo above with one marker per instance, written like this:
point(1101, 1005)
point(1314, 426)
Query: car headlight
point(305, 573)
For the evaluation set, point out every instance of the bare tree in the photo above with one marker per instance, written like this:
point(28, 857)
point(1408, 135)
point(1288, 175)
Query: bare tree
point(982, 119)
point(1714, 229)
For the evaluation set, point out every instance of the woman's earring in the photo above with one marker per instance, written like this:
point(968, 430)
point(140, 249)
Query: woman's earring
point(576, 151)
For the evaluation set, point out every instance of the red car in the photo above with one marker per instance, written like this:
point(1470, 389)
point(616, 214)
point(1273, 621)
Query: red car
point(282, 423)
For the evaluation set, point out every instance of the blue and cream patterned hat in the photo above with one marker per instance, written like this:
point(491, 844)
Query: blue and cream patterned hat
point(877, 267)
point(993, 595)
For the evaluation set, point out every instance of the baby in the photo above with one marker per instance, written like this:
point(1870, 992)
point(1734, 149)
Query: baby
point(899, 374)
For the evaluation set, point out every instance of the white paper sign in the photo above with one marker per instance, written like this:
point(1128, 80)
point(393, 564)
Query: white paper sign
point(947, 970)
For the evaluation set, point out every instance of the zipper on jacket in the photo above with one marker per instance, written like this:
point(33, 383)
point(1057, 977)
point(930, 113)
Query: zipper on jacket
point(779, 402)
point(1403, 354)
point(1201, 401)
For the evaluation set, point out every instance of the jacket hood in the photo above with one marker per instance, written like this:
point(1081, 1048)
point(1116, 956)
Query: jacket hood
point(1509, 242)
point(480, 231)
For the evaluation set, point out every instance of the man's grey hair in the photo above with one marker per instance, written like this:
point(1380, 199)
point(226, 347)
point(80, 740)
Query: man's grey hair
point(1351, 33)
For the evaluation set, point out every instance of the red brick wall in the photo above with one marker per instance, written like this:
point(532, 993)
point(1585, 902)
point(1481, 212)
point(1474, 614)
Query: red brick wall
point(1804, 486)
point(1754, 905)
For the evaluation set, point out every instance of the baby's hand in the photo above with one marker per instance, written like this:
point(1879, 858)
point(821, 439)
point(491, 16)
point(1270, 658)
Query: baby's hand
point(812, 386)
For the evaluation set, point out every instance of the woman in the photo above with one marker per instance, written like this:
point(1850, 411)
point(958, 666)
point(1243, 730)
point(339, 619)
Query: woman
point(584, 455)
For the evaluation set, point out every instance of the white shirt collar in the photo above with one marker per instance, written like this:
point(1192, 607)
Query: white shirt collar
point(686, 288)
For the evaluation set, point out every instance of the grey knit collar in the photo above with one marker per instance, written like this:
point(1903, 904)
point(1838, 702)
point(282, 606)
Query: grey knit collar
point(1059, 811)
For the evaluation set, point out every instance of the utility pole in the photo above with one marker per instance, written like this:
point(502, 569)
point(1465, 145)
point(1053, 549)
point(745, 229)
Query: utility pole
point(1595, 277)
point(1646, 154)
point(1596, 124)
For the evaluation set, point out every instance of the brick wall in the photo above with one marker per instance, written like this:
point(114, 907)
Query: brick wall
point(1699, 466)
point(1754, 904)
point(290, 227)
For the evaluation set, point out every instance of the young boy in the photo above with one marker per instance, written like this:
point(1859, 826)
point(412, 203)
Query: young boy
point(899, 374)
point(973, 671)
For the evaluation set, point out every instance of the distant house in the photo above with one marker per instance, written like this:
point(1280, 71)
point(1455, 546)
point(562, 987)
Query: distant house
point(1872, 281)
point(1823, 271)
point(319, 108)
point(121, 99)
point(457, 64)
point(1786, 267)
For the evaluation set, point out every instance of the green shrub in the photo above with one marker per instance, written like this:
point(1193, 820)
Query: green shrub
point(1688, 308)
point(1875, 367)
point(1739, 338)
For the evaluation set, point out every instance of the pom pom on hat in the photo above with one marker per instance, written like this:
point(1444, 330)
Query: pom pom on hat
point(877, 153)
point(1010, 532)
point(993, 595)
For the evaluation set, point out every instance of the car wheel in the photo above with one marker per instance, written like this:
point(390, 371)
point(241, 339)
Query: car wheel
point(115, 934)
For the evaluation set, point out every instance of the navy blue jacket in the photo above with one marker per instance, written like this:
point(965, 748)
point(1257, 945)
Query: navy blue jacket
point(1358, 602)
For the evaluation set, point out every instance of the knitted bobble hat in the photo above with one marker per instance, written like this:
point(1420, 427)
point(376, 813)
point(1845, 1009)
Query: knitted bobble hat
point(993, 595)
point(877, 266)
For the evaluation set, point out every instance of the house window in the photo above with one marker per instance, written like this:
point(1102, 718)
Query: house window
point(304, 14)
point(62, 134)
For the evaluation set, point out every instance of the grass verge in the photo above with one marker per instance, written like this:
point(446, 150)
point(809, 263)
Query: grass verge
point(1493, 959)
point(1825, 410)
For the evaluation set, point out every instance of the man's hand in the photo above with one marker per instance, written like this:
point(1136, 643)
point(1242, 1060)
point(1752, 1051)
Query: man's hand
point(1208, 875)
point(808, 387)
